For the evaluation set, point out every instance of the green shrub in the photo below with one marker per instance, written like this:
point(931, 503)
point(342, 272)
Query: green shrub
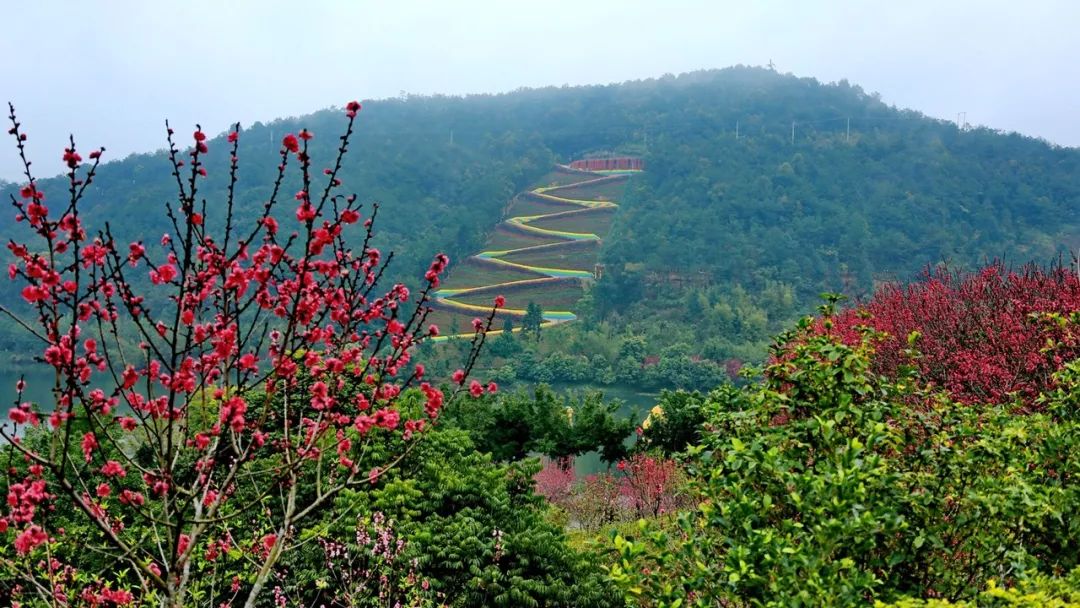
point(828, 485)
point(476, 530)
point(1039, 592)
point(510, 426)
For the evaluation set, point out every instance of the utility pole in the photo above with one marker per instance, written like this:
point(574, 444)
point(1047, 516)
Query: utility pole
point(736, 130)
point(847, 138)
point(793, 132)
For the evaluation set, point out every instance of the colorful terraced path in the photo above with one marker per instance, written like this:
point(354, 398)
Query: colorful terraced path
point(545, 252)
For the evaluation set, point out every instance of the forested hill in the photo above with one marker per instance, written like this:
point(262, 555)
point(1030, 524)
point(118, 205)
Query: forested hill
point(437, 191)
point(835, 208)
point(781, 218)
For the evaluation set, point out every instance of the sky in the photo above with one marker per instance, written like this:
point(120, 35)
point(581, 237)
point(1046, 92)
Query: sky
point(112, 72)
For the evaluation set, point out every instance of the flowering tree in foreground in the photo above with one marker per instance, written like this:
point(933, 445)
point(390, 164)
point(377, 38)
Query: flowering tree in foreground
point(251, 397)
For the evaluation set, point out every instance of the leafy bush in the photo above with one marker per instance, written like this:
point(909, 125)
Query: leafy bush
point(827, 484)
point(476, 531)
point(510, 426)
point(1039, 592)
point(675, 423)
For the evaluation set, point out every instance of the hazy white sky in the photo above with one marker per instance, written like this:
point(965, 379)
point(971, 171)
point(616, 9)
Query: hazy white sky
point(113, 71)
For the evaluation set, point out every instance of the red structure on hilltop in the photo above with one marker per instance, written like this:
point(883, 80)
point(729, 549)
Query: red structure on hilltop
point(623, 163)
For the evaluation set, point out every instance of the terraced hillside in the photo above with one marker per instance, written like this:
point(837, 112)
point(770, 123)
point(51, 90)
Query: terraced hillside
point(544, 251)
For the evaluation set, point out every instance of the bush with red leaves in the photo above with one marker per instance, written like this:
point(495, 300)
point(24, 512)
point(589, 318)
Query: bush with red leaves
point(985, 337)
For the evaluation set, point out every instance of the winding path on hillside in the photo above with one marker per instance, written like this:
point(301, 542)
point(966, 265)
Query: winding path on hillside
point(565, 209)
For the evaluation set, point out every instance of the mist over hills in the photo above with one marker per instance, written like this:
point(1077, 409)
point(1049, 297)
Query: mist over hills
point(825, 188)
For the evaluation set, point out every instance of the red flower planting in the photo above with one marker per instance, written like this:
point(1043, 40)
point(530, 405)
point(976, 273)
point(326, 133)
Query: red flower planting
point(984, 337)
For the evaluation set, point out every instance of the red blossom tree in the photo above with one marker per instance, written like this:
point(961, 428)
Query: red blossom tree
point(271, 365)
point(643, 486)
point(650, 484)
point(985, 337)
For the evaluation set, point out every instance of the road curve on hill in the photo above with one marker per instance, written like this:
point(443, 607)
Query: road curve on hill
point(567, 208)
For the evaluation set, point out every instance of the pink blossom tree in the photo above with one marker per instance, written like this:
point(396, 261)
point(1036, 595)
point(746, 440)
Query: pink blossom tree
point(268, 366)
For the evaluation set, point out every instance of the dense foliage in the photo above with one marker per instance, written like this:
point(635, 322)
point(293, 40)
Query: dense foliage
point(472, 529)
point(513, 425)
point(1036, 592)
point(828, 484)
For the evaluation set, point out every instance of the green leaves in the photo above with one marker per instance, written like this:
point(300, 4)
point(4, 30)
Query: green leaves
point(827, 485)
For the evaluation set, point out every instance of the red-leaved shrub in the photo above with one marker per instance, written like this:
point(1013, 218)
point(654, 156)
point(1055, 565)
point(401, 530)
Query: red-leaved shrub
point(982, 336)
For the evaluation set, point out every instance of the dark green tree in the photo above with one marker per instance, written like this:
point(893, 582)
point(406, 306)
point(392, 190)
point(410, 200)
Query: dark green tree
point(534, 318)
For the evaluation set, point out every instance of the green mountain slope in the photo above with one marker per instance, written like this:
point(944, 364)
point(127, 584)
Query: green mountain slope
point(721, 240)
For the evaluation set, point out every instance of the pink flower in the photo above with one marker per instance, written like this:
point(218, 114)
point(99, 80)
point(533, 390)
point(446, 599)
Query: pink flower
point(127, 497)
point(30, 538)
point(19, 416)
point(135, 252)
point(34, 293)
point(268, 542)
point(71, 158)
point(500, 301)
point(163, 274)
point(113, 469)
point(352, 108)
point(459, 377)
point(271, 225)
point(492, 387)
point(130, 377)
point(290, 143)
point(89, 444)
point(476, 389)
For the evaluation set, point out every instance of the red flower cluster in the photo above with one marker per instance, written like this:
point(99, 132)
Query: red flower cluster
point(981, 336)
point(290, 143)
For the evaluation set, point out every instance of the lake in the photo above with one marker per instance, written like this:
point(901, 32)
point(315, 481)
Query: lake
point(636, 403)
point(39, 383)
